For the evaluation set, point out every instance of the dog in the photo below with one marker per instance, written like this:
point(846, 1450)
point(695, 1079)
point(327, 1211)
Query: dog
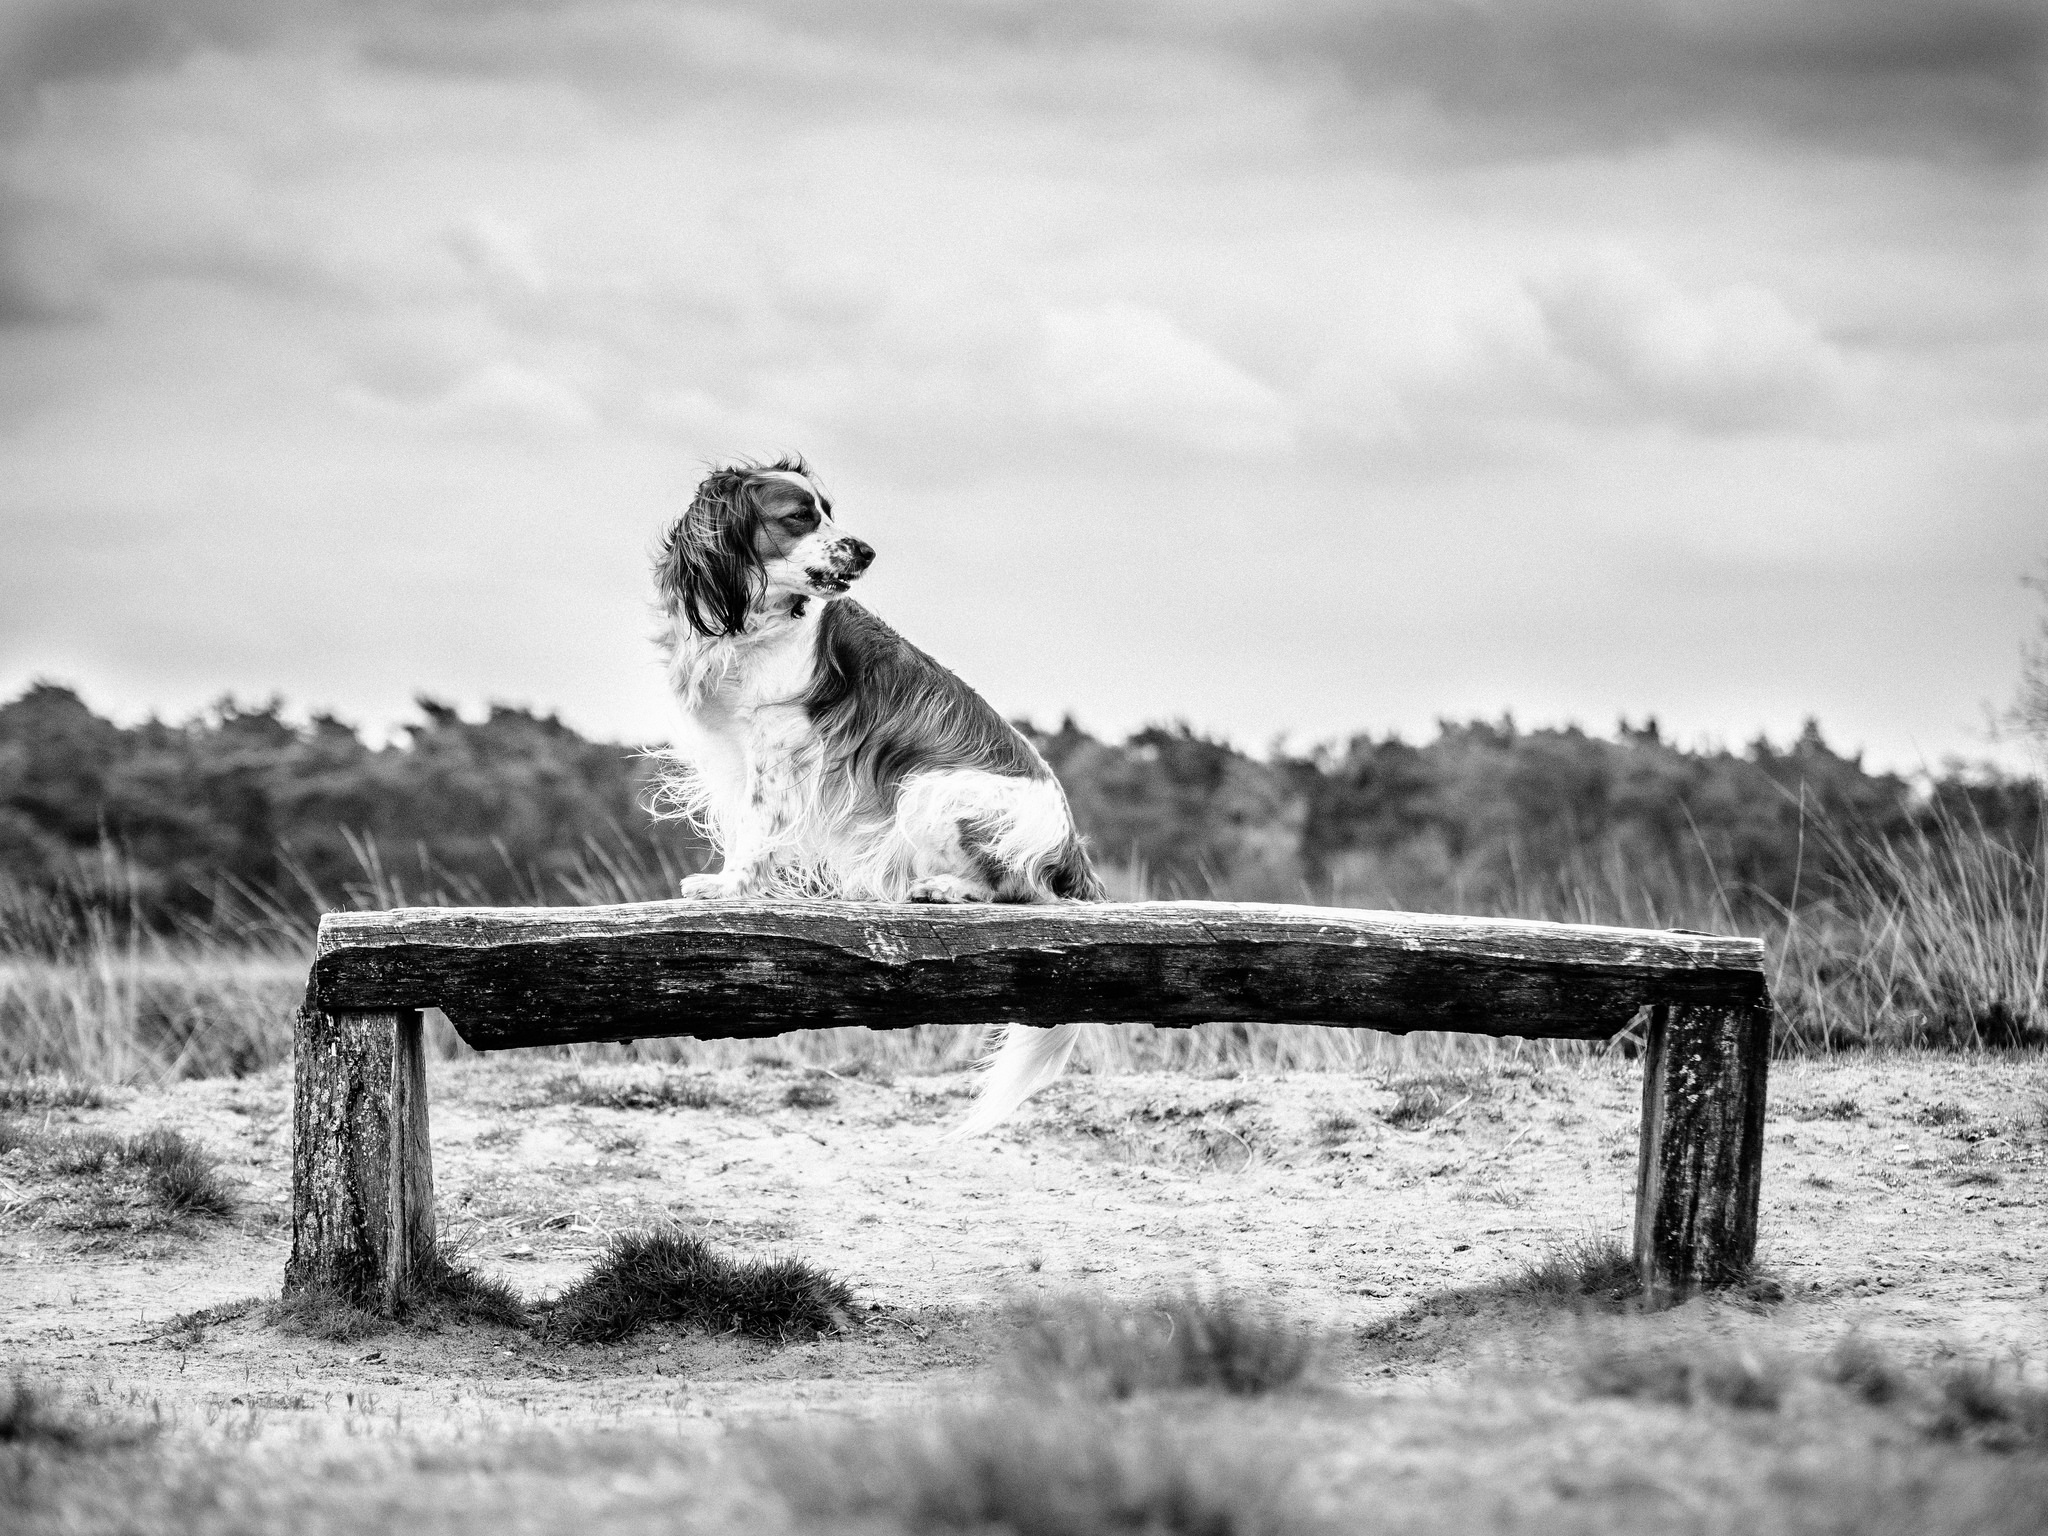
point(824, 755)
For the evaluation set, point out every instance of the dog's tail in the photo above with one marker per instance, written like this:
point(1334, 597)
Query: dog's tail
point(1030, 1058)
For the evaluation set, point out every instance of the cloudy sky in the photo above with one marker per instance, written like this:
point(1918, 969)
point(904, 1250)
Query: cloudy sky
point(1284, 365)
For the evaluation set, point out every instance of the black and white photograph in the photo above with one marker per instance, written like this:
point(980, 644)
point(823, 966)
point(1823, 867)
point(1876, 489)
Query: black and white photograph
point(1024, 768)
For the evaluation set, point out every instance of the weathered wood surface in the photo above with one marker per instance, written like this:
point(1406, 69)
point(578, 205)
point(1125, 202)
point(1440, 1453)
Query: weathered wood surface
point(362, 1169)
point(521, 976)
point(409, 1208)
point(1700, 1176)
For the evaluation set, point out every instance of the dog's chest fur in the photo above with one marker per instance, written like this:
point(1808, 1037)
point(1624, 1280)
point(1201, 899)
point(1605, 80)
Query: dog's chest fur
point(743, 699)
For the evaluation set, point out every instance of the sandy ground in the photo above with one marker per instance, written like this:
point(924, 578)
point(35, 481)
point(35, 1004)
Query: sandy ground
point(1903, 1197)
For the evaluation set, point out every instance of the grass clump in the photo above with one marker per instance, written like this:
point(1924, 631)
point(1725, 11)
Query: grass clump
point(438, 1294)
point(1977, 1403)
point(1830, 1109)
point(184, 1178)
point(666, 1276)
point(58, 1092)
point(180, 1177)
point(28, 1417)
point(1174, 1344)
point(1686, 1375)
point(32, 1420)
point(1862, 1369)
point(671, 1090)
point(188, 1329)
point(809, 1094)
point(1600, 1270)
point(1973, 1402)
point(440, 1291)
point(1426, 1096)
point(1032, 1472)
point(1591, 1268)
point(322, 1312)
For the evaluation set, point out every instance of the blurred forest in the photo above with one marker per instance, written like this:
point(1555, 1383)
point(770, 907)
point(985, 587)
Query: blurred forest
point(245, 812)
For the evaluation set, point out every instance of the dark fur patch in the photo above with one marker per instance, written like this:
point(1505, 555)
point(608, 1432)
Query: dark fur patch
point(709, 570)
point(977, 834)
point(887, 710)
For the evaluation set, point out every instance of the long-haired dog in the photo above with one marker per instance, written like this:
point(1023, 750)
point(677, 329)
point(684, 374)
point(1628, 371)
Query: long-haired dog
point(825, 755)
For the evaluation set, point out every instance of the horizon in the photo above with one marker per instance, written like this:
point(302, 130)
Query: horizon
point(2026, 762)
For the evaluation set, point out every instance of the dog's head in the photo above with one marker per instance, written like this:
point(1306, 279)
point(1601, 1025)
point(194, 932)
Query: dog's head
point(756, 536)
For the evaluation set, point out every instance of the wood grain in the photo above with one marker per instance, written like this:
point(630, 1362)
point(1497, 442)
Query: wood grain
point(409, 1221)
point(1700, 1176)
point(342, 1145)
point(523, 976)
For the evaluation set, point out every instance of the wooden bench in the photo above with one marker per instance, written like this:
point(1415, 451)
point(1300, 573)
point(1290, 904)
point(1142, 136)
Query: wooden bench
point(362, 1173)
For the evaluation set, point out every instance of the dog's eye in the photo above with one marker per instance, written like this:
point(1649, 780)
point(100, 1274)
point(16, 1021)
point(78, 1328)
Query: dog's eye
point(800, 522)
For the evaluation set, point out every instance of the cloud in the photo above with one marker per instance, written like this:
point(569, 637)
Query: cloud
point(45, 264)
point(498, 251)
point(501, 395)
point(1733, 359)
point(1524, 78)
point(1599, 340)
point(48, 41)
point(1943, 79)
point(1126, 369)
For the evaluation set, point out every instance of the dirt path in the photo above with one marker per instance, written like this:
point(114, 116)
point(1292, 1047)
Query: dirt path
point(1904, 1197)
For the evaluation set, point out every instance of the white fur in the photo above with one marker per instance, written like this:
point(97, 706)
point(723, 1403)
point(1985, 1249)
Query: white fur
point(754, 777)
point(1030, 1058)
point(753, 780)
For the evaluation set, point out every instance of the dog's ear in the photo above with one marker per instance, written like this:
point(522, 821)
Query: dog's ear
point(709, 571)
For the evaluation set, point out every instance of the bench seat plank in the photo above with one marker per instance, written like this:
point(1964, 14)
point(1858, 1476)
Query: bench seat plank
point(511, 976)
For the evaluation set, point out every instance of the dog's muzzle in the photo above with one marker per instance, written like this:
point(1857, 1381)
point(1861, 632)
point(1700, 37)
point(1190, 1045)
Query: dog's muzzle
point(848, 558)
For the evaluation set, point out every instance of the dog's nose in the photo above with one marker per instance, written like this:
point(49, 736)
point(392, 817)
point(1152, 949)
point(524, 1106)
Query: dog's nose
point(859, 554)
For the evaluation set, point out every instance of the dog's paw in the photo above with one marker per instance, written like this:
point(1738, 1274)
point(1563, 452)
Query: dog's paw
point(946, 888)
point(720, 887)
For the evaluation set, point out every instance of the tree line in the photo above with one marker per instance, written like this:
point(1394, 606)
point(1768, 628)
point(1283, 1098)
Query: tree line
point(245, 807)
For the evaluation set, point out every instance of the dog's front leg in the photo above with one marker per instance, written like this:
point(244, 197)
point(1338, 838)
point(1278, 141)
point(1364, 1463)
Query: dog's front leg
point(757, 833)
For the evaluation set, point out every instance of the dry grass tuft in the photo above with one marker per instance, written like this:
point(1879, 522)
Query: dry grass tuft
point(188, 1330)
point(1593, 1268)
point(667, 1276)
point(184, 1178)
point(32, 1420)
point(1978, 1403)
point(439, 1294)
point(809, 1094)
point(1686, 1375)
point(1174, 1344)
point(1832, 1109)
point(442, 1292)
point(59, 1092)
point(1864, 1370)
point(319, 1312)
point(1937, 939)
point(130, 1007)
point(1421, 1097)
point(1027, 1471)
point(668, 1090)
point(180, 1178)
point(1973, 1402)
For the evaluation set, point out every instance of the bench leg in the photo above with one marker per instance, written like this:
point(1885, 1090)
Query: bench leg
point(1701, 1173)
point(362, 1170)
